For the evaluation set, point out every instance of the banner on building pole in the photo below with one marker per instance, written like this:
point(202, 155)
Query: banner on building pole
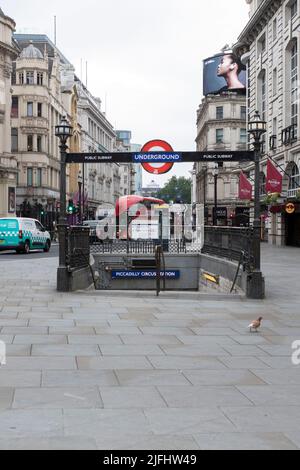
point(245, 187)
point(274, 179)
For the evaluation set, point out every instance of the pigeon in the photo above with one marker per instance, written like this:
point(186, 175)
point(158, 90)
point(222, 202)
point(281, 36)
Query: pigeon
point(255, 325)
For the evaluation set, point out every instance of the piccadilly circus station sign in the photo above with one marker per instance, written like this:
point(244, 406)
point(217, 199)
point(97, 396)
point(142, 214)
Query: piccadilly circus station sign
point(160, 163)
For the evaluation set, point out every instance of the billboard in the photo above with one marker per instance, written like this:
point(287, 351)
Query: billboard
point(223, 72)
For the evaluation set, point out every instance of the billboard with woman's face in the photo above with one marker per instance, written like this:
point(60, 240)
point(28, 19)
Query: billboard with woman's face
point(223, 72)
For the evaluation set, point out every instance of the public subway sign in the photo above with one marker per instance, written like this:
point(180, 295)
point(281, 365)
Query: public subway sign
point(160, 157)
point(122, 274)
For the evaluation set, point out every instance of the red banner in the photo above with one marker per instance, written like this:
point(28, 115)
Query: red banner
point(274, 179)
point(245, 188)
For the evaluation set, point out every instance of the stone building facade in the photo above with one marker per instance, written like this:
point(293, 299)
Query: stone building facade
point(270, 43)
point(8, 162)
point(102, 183)
point(221, 126)
point(37, 107)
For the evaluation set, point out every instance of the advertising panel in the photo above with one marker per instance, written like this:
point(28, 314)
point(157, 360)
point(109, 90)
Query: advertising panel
point(223, 72)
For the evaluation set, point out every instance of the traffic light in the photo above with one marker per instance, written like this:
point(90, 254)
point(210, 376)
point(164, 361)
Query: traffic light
point(71, 208)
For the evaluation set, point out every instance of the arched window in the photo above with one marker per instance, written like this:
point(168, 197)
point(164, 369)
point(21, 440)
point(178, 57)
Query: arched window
point(294, 182)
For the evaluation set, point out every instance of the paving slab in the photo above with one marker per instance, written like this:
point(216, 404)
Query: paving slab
point(63, 397)
point(131, 397)
point(185, 421)
point(31, 424)
point(197, 396)
point(6, 398)
point(18, 350)
point(40, 363)
point(245, 362)
point(272, 395)
point(64, 350)
point(78, 378)
point(183, 362)
point(51, 443)
point(113, 363)
point(112, 424)
point(244, 441)
point(148, 442)
point(144, 378)
point(131, 350)
point(12, 378)
point(264, 418)
point(40, 339)
point(94, 339)
point(194, 350)
point(149, 339)
point(279, 376)
point(223, 377)
point(24, 330)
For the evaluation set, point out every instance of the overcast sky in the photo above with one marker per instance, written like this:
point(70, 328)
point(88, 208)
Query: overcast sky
point(144, 56)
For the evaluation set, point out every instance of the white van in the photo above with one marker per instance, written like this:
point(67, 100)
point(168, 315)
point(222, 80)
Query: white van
point(23, 235)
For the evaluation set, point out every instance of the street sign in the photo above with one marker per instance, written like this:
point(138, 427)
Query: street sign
point(290, 208)
point(160, 163)
point(168, 157)
point(122, 274)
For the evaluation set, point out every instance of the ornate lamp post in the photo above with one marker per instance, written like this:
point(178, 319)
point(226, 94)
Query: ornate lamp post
point(257, 127)
point(63, 131)
point(215, 173)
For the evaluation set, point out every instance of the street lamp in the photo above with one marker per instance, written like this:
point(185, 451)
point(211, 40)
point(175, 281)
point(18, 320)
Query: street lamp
point(63, 132)
point(79, 181)
point(215, 173)
point(257, 128)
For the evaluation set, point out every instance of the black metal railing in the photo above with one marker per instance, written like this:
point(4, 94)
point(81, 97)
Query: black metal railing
point(78, 247)
point(289, 134)
point(138, 247)
point(230, 243)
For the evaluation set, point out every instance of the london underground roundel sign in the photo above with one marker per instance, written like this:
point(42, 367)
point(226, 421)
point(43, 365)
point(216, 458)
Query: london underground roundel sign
point(158, 146)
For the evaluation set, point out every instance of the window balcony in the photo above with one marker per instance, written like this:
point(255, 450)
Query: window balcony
point(293, 193)
point(289, 135)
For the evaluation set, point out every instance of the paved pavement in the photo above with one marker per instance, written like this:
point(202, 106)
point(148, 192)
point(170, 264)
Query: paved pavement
point(87, 371)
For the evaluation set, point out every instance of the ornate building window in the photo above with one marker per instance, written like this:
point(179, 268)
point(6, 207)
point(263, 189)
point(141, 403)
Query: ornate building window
point(30, 78)
point(29, 109)
point(243, 136)
point(40, 78)
point(219, 112)
point(39, 177)
point(21, 78)
point(39, 143)
point(15, 107)
point(30, 143)
point(14, 139)
point(40, 110)
point(294, 182)
point(29, 177)
point(219, 136)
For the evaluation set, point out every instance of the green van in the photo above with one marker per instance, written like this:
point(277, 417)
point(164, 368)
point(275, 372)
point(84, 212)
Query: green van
point(23, 235)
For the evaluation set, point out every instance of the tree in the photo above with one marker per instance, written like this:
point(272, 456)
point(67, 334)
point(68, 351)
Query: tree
point(177, 190)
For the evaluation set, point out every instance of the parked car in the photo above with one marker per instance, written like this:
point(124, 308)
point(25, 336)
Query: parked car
point(23, 235)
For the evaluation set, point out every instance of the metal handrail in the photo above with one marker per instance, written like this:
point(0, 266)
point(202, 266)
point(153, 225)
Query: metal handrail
point(159, 260)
